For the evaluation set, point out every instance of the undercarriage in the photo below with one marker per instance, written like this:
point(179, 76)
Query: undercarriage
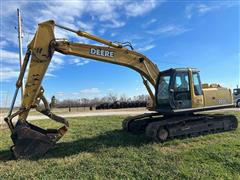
point(165, 127)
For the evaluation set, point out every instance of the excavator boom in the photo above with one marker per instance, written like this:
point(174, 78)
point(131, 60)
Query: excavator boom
point(31, 141)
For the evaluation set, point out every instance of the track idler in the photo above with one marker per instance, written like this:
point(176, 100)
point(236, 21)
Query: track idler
point(31, 141)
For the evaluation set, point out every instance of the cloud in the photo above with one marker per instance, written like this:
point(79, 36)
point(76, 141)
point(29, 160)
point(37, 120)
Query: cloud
point(58, 59)
point(68, 13)
point(169, 30)
point(113, 34)
point(50, 75)
point(9, 61)
point(7, 73)
point(104, 13)
point(86, 26)
point(188, 10)
point(90, 91)
point(9, 57)
point(10, 65)
point(140, 8)
point(201, 9)
point(114, 24)
point(146, 48)
point(61, 11)
point(10, 8)
point(79, 62)
point(83, 93)
point(102, 31)
point(148, 23)
point(3, 44)
point(56, 63)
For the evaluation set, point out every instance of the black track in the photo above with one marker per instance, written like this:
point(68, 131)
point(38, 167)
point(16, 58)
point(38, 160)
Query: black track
point(162, 128)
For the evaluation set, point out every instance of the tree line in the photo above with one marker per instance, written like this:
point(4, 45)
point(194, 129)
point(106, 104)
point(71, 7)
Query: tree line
point(106, 101)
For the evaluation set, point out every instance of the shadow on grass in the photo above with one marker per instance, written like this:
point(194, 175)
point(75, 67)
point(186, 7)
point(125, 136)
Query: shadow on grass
point(6, 155)
point(115, 138)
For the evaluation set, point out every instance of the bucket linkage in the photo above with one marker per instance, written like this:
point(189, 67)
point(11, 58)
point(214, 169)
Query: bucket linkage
point(31, 141)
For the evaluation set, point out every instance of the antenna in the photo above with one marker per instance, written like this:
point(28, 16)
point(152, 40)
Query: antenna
point(20, 36)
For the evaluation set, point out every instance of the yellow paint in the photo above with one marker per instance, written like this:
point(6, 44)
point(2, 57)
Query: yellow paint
point(217, 96)
point(197, 100)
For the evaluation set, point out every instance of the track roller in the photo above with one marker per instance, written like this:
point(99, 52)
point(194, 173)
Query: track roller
point(162, 134)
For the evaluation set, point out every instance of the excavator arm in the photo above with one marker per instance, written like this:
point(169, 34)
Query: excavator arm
point(30, 140)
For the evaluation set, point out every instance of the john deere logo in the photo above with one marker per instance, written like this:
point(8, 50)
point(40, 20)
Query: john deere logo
point(101, 52)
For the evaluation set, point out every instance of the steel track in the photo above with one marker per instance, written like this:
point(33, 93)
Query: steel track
point(162, 128)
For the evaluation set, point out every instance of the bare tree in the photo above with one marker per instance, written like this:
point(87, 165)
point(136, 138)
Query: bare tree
point(112, 97)
point(109, 101)
point(123, 98)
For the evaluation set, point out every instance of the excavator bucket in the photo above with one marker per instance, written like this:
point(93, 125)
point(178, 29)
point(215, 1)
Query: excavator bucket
point(31, 141)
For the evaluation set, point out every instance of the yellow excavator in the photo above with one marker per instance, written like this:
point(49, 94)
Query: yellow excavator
point(178, 98)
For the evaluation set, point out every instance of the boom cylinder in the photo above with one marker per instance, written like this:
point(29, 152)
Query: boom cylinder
point(90, 36)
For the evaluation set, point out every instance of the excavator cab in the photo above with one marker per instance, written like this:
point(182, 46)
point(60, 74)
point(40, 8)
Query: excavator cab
point(178, 89)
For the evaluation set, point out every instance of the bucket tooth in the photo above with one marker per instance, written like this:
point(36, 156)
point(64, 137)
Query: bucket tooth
point(31, 141)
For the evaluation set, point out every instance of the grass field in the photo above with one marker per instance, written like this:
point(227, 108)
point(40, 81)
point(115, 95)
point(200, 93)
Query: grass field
point(97, 148)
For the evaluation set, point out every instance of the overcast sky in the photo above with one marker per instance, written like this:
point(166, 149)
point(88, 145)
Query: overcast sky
point(204, 35)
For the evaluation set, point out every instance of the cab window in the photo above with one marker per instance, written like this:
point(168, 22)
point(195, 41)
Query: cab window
point(197, 84)
point(163, 88)
point(181, 82)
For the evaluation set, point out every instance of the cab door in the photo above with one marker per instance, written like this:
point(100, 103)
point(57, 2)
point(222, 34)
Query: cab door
point(196, 89)
point(162, 93)
point(181, 90)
